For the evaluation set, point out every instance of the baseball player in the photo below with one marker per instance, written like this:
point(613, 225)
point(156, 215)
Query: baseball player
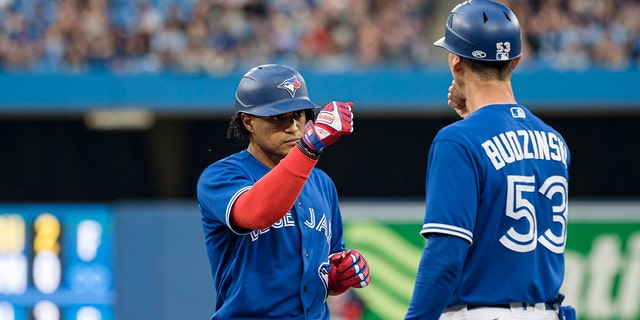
point(496, 186)
point(272, 225)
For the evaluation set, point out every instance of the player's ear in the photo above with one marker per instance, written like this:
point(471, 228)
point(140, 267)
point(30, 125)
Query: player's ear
point(515, 63)
point(247, 121)
point(455, 63)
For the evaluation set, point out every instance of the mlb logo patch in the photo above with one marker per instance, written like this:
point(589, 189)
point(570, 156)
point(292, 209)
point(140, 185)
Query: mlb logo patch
point(518, 112)
point(502, 56)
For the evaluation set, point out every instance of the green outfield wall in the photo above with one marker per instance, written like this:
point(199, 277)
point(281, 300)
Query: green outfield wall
point(602, 257)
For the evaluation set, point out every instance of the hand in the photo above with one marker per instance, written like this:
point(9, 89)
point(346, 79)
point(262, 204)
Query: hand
point(348, 269)
point(333, 121)
point(456, 100)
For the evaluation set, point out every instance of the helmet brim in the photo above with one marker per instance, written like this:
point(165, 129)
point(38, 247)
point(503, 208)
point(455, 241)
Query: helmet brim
point(281, 107)
point(439, 42)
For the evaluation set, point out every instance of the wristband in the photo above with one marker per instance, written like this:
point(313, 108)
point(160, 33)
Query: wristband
point(307, 151)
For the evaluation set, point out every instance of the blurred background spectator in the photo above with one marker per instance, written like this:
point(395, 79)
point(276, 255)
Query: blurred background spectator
point(222, 36)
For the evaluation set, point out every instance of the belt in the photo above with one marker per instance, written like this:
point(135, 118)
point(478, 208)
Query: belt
point(547, 306)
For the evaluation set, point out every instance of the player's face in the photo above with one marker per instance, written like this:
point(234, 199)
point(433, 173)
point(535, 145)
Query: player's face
point(272, 137)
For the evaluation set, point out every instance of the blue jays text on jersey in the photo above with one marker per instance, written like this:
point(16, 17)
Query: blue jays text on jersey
point(322, 225)
point(279, 272)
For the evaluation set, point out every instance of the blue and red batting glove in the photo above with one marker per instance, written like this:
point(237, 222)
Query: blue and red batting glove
point(348, 269)
point(333, 121)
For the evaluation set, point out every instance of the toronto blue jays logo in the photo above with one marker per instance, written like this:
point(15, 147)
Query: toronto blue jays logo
point(323, 273)
point(292, 85)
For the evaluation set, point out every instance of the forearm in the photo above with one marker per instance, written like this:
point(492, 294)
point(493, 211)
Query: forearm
point(273, 195)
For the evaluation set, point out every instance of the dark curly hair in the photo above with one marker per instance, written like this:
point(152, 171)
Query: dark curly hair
point(236, 129)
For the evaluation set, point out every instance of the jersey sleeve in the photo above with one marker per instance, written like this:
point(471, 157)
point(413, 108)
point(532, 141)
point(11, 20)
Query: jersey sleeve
point(439, 271)
point(218, 187)
point(451, 189)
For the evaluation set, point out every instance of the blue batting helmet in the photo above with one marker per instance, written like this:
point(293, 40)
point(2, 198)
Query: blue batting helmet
point(482, 30)
point(272, 89)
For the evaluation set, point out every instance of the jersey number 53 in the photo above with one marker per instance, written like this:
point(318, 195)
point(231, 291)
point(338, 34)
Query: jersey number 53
point(519, 207)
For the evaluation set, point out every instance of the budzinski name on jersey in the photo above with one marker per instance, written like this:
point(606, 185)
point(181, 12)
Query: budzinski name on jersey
point(512, 146)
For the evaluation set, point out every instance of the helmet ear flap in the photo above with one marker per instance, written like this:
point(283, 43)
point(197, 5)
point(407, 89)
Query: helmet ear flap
point(312, 114)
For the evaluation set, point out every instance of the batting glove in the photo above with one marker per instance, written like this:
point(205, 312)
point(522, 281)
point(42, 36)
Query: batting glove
point(348, 269)
point(333, 121)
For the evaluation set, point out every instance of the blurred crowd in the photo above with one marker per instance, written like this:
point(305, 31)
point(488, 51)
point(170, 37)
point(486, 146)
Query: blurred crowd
point(222, 36)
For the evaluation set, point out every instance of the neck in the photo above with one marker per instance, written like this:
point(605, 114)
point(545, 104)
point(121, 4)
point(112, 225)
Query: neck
point(481, 93)
point(264, 158)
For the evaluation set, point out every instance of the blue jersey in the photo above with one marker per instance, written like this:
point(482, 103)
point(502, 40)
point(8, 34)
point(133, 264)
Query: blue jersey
point(499, 180)
point(279, 272)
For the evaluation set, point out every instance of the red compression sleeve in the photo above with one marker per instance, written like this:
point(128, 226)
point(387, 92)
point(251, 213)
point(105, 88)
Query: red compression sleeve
point(274, 194)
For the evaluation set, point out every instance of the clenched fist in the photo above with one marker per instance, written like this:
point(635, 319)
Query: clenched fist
point(333, 121)
point(348, 269)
